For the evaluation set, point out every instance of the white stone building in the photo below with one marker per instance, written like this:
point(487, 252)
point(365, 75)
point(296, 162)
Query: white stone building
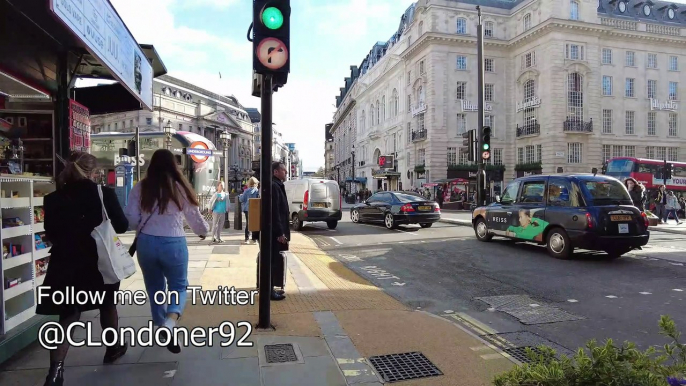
point(569, 84)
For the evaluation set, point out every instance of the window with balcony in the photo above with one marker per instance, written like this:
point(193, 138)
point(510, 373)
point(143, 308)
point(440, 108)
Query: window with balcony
point(673, 125)
point(574, 51)
point(630, 122)
point(461, 62)
point(652, 88)
point(652, 123)
point(420, 122)
point(673, 63)
point(629, 91)
point(575, 152)
point(575, 97)
point(607, 85)
point(527, 22)
point(488, 65)
point(488, 29)
point(574, 10)
point(461, 26)
point(461, 90)
point(489, 91)
point(607, 56)
point(630, 59)
point(673, 91)
point(651, 61)
point(607, 121)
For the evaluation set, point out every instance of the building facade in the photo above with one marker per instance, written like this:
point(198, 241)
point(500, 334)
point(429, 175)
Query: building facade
point(569, 84)
point(186, 107)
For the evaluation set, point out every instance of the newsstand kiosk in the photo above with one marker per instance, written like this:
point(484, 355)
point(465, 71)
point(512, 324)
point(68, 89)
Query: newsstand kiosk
point(45, 45)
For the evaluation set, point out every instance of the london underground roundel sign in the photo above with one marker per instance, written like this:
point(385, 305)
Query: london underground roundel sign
point(199, 151)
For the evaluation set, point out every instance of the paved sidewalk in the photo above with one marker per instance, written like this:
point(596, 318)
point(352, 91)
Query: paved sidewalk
point(333, 319)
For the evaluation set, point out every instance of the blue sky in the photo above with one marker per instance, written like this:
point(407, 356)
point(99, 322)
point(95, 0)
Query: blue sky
point(198, 39)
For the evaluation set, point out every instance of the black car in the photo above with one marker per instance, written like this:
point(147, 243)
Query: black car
point(395, 208)
point(565, 212)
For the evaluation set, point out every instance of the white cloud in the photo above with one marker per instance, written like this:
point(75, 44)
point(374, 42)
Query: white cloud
point(208, 3)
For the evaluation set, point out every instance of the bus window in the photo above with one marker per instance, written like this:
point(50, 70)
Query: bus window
point(679, 171)
point(654, 170)
point(620, 166)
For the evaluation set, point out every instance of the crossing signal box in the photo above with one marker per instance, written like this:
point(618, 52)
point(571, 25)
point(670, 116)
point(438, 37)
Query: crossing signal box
point(271, 39)
point(469, 141)
point(486, 143)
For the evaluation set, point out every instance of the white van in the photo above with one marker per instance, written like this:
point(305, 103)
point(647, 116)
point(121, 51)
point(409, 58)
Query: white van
point(312, 200)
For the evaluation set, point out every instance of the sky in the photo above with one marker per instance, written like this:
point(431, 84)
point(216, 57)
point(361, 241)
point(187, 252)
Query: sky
point(199, 39)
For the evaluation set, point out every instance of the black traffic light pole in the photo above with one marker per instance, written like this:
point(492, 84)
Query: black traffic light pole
point(266, 241)
point(481, 174)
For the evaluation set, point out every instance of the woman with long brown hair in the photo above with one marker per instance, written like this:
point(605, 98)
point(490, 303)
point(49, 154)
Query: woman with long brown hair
point(157, 208)
point(72, 212)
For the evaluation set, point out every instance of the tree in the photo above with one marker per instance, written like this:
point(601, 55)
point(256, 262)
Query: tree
point(320, 172)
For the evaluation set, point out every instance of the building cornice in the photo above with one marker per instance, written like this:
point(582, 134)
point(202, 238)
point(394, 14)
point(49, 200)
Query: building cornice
point(345, 112)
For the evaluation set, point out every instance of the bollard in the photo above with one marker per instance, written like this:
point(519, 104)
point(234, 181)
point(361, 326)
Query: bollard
point(238, 215)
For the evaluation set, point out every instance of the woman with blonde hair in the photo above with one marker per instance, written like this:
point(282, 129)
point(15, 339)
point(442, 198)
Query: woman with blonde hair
point(251, 192)
point(219, 206)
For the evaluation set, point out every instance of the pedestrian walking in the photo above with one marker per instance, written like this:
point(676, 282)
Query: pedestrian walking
point(250, 192)
point(72, 212)
point(157, 208)
point(637, 193)
point(281, 231)
point(660, 204)
point(671, 207)
point(219, 206)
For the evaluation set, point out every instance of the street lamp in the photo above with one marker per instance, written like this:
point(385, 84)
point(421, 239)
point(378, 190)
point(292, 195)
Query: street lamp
point(352, 184)
point(169, 132)
point(225, 137)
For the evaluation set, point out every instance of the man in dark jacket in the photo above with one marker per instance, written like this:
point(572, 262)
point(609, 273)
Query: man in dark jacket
point(281, 231)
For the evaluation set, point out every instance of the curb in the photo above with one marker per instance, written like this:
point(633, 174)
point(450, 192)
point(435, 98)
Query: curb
point(672, 231)
point(465, 223)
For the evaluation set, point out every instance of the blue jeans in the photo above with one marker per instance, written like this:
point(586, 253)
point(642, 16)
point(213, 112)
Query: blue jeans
point(164, 263)
point(673, 213)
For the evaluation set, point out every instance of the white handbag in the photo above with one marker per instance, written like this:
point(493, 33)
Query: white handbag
point(114, 262)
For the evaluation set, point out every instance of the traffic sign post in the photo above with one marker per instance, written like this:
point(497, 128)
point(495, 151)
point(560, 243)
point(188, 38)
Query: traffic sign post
point(481, 175)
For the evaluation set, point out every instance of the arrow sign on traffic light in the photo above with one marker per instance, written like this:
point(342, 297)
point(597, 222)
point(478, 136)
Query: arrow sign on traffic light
point(272, 53)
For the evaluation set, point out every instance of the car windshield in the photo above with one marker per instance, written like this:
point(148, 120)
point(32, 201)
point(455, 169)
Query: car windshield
point(404, 197)
point(606, 192)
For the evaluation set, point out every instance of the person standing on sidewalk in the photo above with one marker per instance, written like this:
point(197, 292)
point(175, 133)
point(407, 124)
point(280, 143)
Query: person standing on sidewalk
point(671, 207)
point(250, 192)
point(72, 212)
point(160, 202)
point(219, 208)
point(281, 231)
point(636, 192)
point(660, 203)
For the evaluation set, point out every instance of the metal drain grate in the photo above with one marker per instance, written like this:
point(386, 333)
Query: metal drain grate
point(519, 353)
point(280, 353)
point(401, 367)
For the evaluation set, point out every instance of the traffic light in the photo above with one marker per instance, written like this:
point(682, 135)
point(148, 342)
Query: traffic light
point(131, 149)
point(469, 141)
point(271, 39)
point(668, 171)
point(605, 168)
point(486, 143)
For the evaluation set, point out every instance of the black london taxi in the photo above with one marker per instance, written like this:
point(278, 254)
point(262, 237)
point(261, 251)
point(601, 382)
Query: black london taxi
point(564, 212)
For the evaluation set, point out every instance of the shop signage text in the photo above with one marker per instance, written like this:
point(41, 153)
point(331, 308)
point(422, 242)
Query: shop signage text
point(99, 27)
point(418, 109)
point(669, 105)
point(130, 160)
point(678, 181)
point(386, 161)
point(468, 106)
point(529, 103)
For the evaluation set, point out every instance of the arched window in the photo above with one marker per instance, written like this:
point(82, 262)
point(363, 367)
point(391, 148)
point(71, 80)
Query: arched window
point(378, 112)
point(394, 103)
point(383, 108)
point(421, 28)
point(461, 26)
point(574, 10)
point(371, 115)
point(575, 97)
point(362, 122)
point(527, 22)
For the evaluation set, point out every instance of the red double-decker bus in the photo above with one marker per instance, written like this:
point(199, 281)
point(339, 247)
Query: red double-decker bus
point(648, 172)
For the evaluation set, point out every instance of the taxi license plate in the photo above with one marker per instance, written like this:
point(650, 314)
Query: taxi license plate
point(620, 218)
point(319, 205)
point(623, 228)
point(426, 208)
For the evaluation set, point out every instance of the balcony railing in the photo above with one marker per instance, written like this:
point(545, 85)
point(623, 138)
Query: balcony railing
point(576, 125)
point(531, 128)
point(419, 135)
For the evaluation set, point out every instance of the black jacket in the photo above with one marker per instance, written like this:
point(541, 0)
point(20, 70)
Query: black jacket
point(638, 198)
point(280, 211)
point(71, 214)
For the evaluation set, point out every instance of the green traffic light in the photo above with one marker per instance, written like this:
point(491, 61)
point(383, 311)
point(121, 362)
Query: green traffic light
point(272, 18)
point(486, 146)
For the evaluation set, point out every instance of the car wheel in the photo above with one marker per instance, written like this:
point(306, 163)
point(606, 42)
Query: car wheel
point(297, 224)
point(617, 253)
point(425, 225)
point(481, 231)
point(558, 244)
point(355, 216)
point(332, 224)
point(389, 221)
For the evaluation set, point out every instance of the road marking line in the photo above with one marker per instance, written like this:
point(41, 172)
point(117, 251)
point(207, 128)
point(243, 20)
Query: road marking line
point(534, 305)
point(611, 296)
point(412, 233)
point(572, 300)
point(678, 264)
point(334, 239)
point(678, 290)
point(449, 311)
point(645, 293)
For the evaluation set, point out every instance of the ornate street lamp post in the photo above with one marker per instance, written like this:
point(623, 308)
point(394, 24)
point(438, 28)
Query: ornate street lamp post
point(169, 132)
